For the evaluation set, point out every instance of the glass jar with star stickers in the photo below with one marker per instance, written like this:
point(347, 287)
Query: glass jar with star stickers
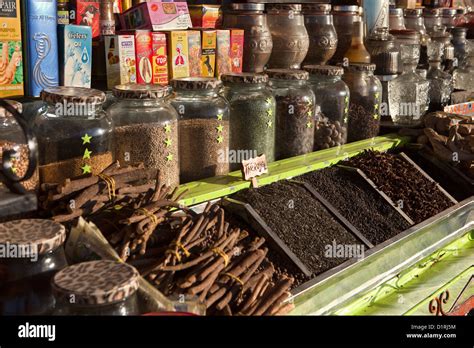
point(295, 108)
point(75, 134)
point(203, 128)
point(332, 97)
point(365, 101)
point(146, 129)
point(252, 117)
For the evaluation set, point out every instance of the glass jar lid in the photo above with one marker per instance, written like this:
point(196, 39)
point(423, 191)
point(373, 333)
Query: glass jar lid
point(346, 8)
point(287, 74)
point(324, 70)
point(246, 7)
point(195, 83)
point(74, 95)
point(251, 78)
point(96, 282)
point(413, 12)
point(316, 8)
point(16, 105)
point(39, 236)
point(283, 8)
point(396, 11)
point(361, 67)
point(431, 12)
point(135, 91)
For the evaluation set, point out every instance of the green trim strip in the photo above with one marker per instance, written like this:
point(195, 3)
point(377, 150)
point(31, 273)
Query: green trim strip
point(213, 188)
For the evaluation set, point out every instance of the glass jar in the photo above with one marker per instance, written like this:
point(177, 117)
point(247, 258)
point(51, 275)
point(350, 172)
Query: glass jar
point(432, 19)
point(33, 253)
point(365, 98)
point(295, 112)
point(448, 15)
point(414, 21)
point(357, 52)
point(74, 134)
point(396, 19)
point(464, 75)
point(332, 96)
point(12, 138)
point(257, 37)
point(289, 36)
point(343, 17)
point(96, 288)
point(385, 108)
point(252, 117)
point(322, 34)
point(203, 128)
point(441, 36)
point(383, 52)
point(459, 43)
point(441, 86)
point(146, 130)
point(408, 94)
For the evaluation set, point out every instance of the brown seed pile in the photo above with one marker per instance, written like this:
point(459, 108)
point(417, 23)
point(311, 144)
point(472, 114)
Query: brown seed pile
point(329, 134)
point(20, 164)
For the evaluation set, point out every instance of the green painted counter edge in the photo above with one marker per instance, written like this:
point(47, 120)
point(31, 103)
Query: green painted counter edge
point(217, 187)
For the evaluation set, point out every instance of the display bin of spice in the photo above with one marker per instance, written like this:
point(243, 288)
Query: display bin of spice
point(332, 96)
point(98, 288)
point(344, 17)
point(12, 138)
point(257, 37)
point(322, 34)
point(295, 112)
point(365, 99)
point(203, 128)
point(289, 35)
point(146, 129)
point(25, 278)
point(74, 133)
point(252, 117)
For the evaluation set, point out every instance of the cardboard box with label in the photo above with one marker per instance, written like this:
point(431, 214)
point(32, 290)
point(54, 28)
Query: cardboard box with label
point(120, 60)
point(160, 59)
point(208, 59)
point(178, 54)
point(194, 43)
point(205, 16)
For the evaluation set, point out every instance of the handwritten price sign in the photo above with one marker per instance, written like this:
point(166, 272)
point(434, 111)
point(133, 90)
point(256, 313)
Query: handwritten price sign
point(254, 167)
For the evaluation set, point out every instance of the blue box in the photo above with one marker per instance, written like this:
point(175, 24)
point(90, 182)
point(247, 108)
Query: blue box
point(75, 55)
point(41, 43)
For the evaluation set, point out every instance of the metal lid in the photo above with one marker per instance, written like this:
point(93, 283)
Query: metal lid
point(75, 95)
point(287, 74)
point(317, 8)
point(431, 12)
point(346, 8)
point(325, 70)
point(135, 91)
point(18, 106)
point(448, 12)
point(396, 11)
point(96, 282)
point(247, 7)
point(283, 7)
point(413, 12)
point(41, 236)
point(195, 83)
point(245, 78)
point(361, 67)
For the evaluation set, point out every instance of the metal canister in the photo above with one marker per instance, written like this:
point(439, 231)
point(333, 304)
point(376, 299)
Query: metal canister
point(376, 14)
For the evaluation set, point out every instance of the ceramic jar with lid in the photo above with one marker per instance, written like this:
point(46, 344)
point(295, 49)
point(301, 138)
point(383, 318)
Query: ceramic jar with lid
point(322, 34)
point(97, 288)
point(75, 134)
point(383, 52)
point(344, 17)
point(257, 37)
point(289, 35)
point(396, 19)
point(35, 254)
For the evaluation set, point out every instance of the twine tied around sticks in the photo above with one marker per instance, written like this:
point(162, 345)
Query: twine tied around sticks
point(176, 253)
point(183, 248)
point(150, 215)
point(110, 185)
point(222, 254)
point(238, 280)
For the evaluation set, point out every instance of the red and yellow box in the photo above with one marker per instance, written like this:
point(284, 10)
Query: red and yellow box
point(208, 58)
point(160, 59)
point(205, 16)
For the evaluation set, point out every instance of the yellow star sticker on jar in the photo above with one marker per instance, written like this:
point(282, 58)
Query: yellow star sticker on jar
point(310, 113)
point(168, 142)
point(376, 117)
point(220, 117)
point(268, 100)
point(220, 128)
point(86, 139)
point(87, 154)
point(377, 95)
point(86, 169)
point(169, 158)
point(270, 112)
point(309, 124)
point(14, 170)
point(220, 139)
point(269, 124)
point(168, 128)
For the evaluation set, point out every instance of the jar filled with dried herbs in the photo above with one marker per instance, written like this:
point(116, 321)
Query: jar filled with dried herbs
point(252, 117)
point(295, 112)
point(74, 133)
point(365, 101)
point(332, 96)
point(203, 128)
point(146, 129)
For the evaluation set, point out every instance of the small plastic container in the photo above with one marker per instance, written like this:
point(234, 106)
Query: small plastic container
point(203, 128)
point(103, 288)
point(146, 129)
point(34, 254)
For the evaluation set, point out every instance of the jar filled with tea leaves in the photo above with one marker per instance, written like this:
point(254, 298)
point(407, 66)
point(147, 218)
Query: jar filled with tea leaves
point(203, 128)
point(74, 133)
point(365, 101)
point(32, 254)
point(13, 139)
point(252, 117)
point(97, 288)
point(146, 129)
point(332, 96)
point(295, 108)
